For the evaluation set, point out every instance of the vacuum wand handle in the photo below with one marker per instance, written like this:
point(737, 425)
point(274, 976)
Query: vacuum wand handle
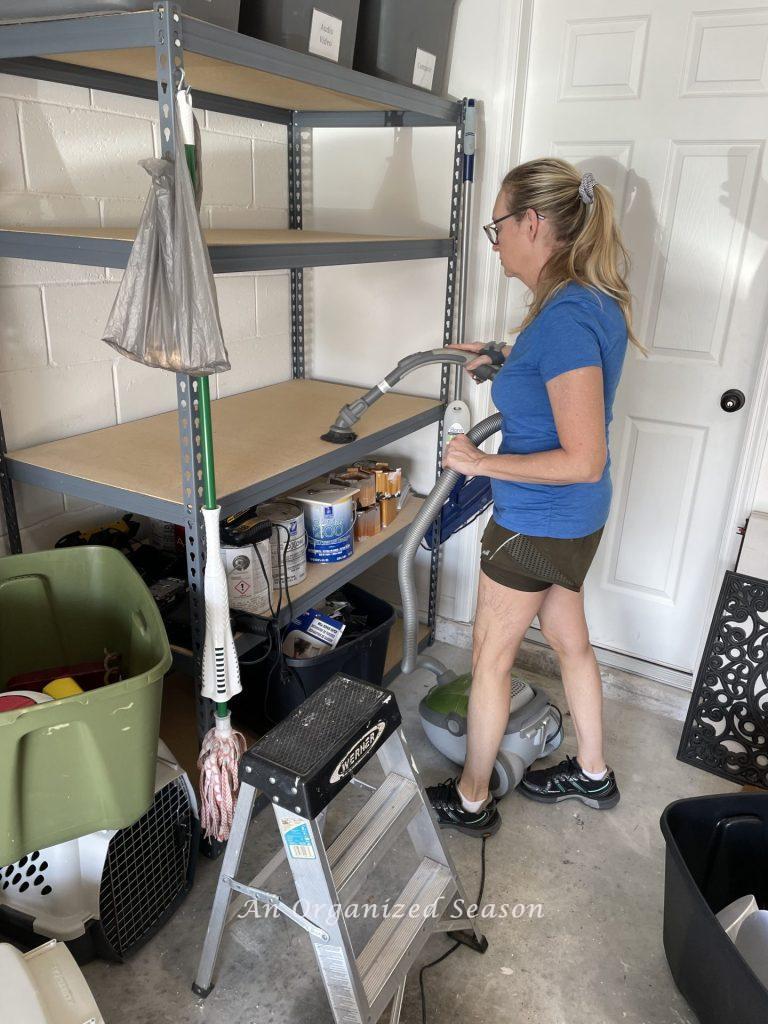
point(340, 431)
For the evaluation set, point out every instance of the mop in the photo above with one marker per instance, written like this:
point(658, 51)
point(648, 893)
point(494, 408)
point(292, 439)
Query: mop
point(222, 746)
point(165, 315)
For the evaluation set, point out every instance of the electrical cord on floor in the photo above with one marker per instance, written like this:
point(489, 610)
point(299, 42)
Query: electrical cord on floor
point(456, 945)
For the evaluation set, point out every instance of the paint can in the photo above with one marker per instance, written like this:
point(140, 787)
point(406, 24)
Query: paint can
point(329, 518)
point(287, 518)
point(249, 589)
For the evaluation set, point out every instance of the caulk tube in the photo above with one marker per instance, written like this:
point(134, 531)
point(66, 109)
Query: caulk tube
point(428, 512)
point(221, 670)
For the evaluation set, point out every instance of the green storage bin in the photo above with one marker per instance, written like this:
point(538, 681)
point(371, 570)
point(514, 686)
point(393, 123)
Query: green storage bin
point(74, 766)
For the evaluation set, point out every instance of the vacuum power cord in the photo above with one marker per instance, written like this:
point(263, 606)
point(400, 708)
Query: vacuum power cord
point(456, 945)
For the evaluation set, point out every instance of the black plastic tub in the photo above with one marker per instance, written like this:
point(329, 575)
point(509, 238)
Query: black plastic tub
point(717, 851)
point(270, 691)
point(406, 41)
point(325, 30)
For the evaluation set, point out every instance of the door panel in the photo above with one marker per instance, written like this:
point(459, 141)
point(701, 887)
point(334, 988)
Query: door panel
point(667, 107)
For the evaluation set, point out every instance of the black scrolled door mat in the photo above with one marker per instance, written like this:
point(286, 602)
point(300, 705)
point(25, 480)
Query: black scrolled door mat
point(726, 729)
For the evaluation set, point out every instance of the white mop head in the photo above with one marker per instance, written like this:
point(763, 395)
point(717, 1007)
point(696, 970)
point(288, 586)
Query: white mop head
point(220, 753)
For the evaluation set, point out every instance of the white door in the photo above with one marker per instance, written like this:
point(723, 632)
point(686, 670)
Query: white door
point(668, 106)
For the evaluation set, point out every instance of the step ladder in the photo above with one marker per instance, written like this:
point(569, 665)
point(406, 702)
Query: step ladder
point(301, 766)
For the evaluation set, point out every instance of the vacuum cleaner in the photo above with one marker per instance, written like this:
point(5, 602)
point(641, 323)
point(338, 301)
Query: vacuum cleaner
point(535, 725)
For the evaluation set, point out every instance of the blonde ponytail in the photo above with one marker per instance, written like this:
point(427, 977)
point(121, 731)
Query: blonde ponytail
point(582, 221)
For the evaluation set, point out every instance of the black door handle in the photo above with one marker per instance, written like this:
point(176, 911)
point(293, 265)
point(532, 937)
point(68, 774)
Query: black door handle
point(732, 400)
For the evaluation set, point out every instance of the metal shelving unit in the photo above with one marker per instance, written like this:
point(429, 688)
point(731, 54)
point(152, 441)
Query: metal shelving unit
point(144, 54)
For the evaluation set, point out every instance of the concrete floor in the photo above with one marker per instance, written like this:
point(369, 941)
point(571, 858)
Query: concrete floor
point(594, 956)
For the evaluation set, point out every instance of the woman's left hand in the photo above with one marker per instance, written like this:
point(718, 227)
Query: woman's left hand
point(463, 456)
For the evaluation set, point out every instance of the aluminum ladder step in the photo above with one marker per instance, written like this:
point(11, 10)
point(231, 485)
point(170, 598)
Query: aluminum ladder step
point(371, 833)
point(398, 940)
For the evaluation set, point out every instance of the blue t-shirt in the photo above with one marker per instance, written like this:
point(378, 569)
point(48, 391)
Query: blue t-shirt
point(577, 327)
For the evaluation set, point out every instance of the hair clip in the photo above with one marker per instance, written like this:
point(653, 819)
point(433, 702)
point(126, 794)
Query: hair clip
point(587, 188)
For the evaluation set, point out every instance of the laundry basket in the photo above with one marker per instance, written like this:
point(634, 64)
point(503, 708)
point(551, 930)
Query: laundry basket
point(73, 766)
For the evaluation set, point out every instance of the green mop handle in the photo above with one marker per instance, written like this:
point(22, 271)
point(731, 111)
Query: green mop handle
point(206, 428)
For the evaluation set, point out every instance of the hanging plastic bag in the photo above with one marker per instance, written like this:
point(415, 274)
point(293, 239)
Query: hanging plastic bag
point(166, 313)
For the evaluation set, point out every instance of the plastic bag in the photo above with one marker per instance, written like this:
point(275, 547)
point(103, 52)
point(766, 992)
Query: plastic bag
point(166, 313)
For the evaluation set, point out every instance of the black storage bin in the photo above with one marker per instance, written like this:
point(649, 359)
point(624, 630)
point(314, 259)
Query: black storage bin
point(289, 23)
point(220, 12)
point(717, 851)
point(363, 657)
point(394, 35)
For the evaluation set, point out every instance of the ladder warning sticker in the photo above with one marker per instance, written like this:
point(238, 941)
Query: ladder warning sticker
point(297, 839)
point(338, 984)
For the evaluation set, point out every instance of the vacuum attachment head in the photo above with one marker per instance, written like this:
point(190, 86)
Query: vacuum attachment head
point(338, 436)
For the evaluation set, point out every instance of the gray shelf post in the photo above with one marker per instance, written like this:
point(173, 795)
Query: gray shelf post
point(9, 501)
point(169, 62)
point(295, 220)
point(448, 329)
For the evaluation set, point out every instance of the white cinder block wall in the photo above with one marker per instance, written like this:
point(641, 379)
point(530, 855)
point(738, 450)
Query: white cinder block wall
point(70, 157)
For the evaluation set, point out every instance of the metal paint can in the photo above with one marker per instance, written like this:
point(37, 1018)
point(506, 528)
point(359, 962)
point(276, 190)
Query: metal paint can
point(287, 518)
point(248, 590)
point(329, 518)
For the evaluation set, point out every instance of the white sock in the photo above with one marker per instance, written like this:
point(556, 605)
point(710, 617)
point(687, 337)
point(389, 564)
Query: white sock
point(473, 806)
point(595, 776)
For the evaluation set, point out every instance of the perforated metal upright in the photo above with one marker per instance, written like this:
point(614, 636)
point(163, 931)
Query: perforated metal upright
point(295, 220)
point(9, 501)
point(459, 197)
point(169, 64)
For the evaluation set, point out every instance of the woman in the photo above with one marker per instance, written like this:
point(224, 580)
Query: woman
point(554, 229)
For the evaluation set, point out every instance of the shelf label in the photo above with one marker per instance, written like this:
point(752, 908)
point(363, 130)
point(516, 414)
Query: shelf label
point(424, 69)
point(325, 35)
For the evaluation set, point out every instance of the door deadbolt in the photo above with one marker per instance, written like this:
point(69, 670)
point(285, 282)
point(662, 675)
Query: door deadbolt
point(732, 400)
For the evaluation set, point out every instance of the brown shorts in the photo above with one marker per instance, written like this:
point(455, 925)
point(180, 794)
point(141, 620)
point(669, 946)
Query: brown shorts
point(523, 562)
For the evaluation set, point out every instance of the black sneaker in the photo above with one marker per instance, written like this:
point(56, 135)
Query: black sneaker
point(566, 781)
point(445, 798)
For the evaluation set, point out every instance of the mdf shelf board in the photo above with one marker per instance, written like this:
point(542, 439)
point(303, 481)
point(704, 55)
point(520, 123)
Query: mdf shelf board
point(265, 441)
point(63, 73)
point(323, 578)
point(220, 61)
point(231, 250)
point(225, 78)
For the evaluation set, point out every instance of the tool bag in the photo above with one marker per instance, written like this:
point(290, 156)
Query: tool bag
point(468, 500)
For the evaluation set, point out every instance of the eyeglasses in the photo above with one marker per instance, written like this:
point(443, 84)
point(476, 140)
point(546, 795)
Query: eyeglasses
point(492, 229)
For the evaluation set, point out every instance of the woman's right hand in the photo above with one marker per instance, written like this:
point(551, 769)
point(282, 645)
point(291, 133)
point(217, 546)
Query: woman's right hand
point(472, 364)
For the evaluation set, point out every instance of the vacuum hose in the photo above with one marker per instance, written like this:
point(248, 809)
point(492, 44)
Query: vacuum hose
point(340, 433)
point(433, 503)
